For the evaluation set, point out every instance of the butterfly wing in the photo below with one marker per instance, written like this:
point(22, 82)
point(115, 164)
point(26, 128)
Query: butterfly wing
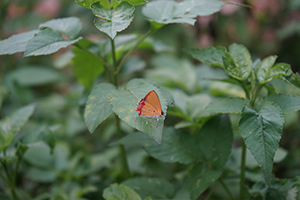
point(152, 105)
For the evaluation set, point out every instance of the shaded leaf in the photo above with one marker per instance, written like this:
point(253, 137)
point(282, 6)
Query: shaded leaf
point(292, 80)
point(261, 129)
point(115, 20)
point(41, 175)
point(200, 178)
point(154, 187)
point(211, 56)
point(232, 105)
point(120, 192)
point(16, 43)
point(70, 26)
point(86, 66)
point(45, 42)
point(288, 103)
point(98, 107)
point(167, 12)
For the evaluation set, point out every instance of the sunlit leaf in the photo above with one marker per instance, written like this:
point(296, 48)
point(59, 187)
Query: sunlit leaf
point(120, 192)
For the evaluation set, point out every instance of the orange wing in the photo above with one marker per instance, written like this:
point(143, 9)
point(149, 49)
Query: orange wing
point(152, 105)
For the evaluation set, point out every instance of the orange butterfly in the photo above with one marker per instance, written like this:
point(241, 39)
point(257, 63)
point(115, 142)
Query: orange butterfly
point(150, 106)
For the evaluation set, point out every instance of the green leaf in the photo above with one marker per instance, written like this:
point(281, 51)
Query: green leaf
point(200, 178)
point(115, 20)
point(264, 71)
point(167, 12)
point(124, 104)
point(154, 187)
point(292, 80)
point(232, 69)
point(211, 56)
point(261, 129)
point(232, 105)
point(10, 125)
point(242, 60)
point(176, 146)
point(33, 76)
point(16, 43)
point(98, 107)
point(70, 26)
point(47, 41)
point(211, 145)
point(120, 192)
point(287, 103)
point(86, 66)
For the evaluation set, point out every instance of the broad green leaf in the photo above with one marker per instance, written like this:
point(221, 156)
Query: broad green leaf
point(120, 192)
point(38, 155)
point(47, 41)
point(214, 141)
point(263, 67)
point(176, 146)
point(280, 69)
point(10, 125)
point(211, 145)
point(182, 194)
point(33, 76)
point(70, 26)
point(124, 104)
point(154, 187)
point(16, 43)
point(232, 105)
point(288, 103)
point(211, 56)
point(98, 107)
point(200, 178)
point(261, 129)
point(242, 60)
point(167, 12)
point(232, 69)
point(86, 66)
point(292, 80)
point(113, 21)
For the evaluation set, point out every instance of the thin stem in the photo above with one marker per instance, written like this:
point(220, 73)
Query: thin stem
point(226, 188)
point(106, 65)
point(115, 76)
point(9, 181)
point(126, 171)
point(258, 89)
point(4, 179)
point(151, 31)
point(17, 168)
point(243, 170)
point(210, 192)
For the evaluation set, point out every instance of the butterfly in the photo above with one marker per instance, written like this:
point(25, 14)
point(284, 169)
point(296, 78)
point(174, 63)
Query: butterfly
point(150, 106)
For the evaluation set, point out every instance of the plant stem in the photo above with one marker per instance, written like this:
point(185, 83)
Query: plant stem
point(243, 170)
point(126, 171)
point(9, 181)
point(133, 48)
point(226, 188)
point(258, 89)
point(244, 85)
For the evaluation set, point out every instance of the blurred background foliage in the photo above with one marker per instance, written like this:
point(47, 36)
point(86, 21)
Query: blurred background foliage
point(82, 164)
